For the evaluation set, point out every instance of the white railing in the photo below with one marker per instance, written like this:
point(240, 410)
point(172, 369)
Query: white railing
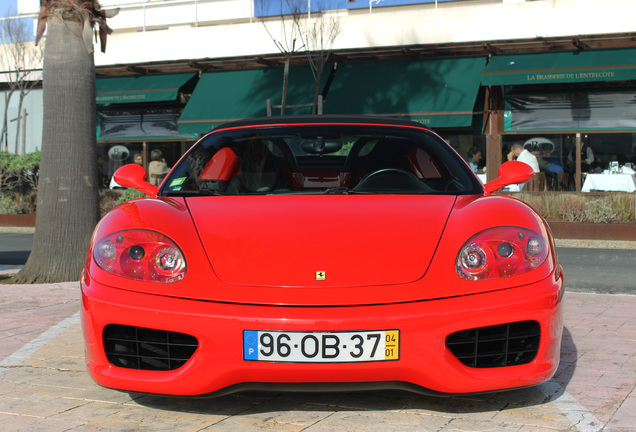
point(166, 13)
point(177, 12)
point(181, 12)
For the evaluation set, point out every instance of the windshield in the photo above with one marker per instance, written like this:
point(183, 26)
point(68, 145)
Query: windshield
point(321, 159)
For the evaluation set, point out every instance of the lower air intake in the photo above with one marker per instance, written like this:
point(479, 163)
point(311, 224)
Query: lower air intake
point(496, 346)
point(147, 349)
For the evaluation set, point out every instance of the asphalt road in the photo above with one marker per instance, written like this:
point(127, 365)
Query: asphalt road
point(609, 271)
point(15, 248)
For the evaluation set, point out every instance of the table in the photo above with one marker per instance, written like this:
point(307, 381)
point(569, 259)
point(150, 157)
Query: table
point(509, 188)
point(609, 182)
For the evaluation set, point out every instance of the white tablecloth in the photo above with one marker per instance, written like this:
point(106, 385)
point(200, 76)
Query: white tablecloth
point(609, 182)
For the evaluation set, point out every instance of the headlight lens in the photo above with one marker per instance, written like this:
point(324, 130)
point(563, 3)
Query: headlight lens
point(141, 255)
point(501, 252)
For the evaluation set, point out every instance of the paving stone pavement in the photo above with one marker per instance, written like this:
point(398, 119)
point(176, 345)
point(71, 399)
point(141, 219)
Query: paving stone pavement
point(44, 386)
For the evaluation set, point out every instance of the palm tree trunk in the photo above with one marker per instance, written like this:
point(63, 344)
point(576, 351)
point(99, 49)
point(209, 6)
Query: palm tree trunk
point(68, 198)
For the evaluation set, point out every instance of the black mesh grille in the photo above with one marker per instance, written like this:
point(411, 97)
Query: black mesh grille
point(147, 349)
point(496, 346)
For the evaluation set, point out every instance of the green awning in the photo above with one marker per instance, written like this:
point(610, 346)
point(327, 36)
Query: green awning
point(561, 67)
point(435, 92)
point(142, 88)
point(220, 97)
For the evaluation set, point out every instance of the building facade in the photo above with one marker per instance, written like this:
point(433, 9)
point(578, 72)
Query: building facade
point(558, 76)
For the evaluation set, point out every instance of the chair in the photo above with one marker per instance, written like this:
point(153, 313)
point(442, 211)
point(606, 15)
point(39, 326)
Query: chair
point(537, 183)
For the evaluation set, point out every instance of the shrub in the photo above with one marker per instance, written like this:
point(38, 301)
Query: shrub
point(108, 199)
point(129, 194)
point(7, 205)
point(19, 173)
point(581, 207)
point(599, 211)
point(19, 176)
point(623, 205)
point(572, 210)
point(28, 202)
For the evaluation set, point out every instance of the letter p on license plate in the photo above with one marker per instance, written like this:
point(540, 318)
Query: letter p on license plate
point(321, 347)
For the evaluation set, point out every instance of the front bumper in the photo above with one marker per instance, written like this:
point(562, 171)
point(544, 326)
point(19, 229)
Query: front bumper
point(425, 363)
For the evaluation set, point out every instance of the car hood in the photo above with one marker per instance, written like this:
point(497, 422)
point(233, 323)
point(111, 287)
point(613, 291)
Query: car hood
point(320, 241)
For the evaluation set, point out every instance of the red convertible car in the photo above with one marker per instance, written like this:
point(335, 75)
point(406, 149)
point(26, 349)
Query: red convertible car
point(322, 253)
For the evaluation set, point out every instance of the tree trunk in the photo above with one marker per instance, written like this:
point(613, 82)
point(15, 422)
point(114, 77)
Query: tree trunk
point(283, 99)
point(68, 197)
point(319, 68)
point(5, 121)
point(18, 125)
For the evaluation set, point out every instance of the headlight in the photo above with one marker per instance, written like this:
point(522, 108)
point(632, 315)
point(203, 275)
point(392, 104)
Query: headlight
point(141, 255)
point(501, 252)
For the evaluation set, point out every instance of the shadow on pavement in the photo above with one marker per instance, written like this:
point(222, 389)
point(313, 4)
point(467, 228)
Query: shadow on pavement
point(14, 257)
point(569, 358)
point(388, 400)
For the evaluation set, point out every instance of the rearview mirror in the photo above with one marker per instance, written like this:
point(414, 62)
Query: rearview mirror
point(134, 176)
point(512, 172)
point(321, 145)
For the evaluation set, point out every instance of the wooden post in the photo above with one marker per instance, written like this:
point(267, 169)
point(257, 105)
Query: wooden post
point(577, 174)
point(146, 154)
point(494, 126)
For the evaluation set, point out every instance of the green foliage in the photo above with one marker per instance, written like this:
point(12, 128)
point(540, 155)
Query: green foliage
point(19, 173)
point(7, 205)
point(582, 207)
point(19, 177)
point(129, 194)
point(6, 159)
point(10, 162)
point(599, 211)
point(623, 205)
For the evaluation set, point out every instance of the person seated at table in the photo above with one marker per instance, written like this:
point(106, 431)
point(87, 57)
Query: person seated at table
point(158, 168)
point(521, 154)
point(544, 167)
point(474, 159)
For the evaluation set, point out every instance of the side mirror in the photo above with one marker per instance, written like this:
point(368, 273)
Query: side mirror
point(134, 176)
point(512, 172)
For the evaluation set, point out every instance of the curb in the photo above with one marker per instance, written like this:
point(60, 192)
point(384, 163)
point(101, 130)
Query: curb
point(593, 231)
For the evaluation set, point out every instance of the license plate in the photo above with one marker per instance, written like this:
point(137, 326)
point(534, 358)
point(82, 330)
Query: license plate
point(321, 347)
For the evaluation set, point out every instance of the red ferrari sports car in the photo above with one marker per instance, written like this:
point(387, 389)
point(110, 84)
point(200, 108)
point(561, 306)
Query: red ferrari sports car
point(322, 253)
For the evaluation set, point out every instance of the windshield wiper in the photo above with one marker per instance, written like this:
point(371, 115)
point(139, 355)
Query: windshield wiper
point(340, 190)
point(200, 192)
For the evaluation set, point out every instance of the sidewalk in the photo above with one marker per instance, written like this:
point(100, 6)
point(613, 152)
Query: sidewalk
point(44, 386)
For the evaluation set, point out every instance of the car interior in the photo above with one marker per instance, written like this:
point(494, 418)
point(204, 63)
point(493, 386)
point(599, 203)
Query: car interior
point(316, 162)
